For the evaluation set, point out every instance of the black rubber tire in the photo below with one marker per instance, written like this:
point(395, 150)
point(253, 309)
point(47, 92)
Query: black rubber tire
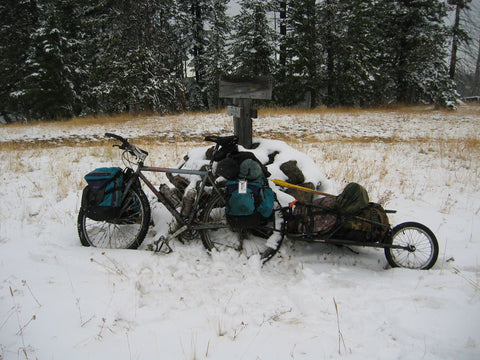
point(126, 232)
point(424, 253)
point(245, 241)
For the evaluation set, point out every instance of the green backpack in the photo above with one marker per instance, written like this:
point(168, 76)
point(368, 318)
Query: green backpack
point(352, 199)
point(250, 200)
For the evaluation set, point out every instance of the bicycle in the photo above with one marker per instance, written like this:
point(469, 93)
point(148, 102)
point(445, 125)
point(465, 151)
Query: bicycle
point(409, 245)
point(204, 218)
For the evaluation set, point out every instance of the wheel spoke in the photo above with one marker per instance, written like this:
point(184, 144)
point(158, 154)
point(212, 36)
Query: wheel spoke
point(247, 241)
point(422, 245)
point(128, 231)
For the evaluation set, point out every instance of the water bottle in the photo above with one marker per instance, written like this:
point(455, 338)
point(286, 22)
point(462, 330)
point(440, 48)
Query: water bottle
point(188, 200)
point(169, 195)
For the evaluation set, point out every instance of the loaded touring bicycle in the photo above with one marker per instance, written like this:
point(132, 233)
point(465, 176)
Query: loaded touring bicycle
point(231, 206)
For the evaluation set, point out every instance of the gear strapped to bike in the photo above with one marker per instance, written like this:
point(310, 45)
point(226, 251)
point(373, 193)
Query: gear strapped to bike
point(203, 210)
point(232, 206)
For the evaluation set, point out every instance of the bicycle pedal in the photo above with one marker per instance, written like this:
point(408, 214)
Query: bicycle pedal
point(160, 244)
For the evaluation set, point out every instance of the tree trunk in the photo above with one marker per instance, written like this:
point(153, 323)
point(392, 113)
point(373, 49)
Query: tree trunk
point(329, 47)
point(283, 33)
point(453, 57)
point(476, 79)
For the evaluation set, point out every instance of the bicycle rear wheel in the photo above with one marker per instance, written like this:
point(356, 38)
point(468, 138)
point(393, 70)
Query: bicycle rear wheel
point(126, 232)
point(264, 240)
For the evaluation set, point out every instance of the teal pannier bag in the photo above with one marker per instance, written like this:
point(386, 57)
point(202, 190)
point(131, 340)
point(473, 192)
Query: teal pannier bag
point(249, 204)
point(102, 198)
point(240, 202)
point(265, 208)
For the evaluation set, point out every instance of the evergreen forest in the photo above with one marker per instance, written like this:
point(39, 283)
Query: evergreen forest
point(64, 58)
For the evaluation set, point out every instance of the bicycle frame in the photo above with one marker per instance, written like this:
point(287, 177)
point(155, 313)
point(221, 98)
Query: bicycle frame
point(186, 223)
point(187, 220)
point(205, 176)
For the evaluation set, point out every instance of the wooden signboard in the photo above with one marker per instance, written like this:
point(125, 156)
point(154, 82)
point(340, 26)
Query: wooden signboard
point(246, 88)
point(243, 91)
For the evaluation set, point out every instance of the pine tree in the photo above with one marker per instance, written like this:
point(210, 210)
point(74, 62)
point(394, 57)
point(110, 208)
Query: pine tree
point(359, 67)
point(139, 66)
point(300, 56)
point(49, 85)
point(205, 28)
point(459, 35)
point(382, 51)
point(330, 33)
point(418, 48)
point(215, 51)
point(18, 19)
point(193, 17)
point(253, 40)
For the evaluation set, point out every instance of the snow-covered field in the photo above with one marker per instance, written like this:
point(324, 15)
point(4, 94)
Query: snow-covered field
point(59, 300)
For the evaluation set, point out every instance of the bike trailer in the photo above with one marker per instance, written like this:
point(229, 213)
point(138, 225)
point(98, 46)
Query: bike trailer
point(102, 198)
point(348, 216)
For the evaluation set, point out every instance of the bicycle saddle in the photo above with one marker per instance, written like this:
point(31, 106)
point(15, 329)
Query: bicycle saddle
point(222, 140)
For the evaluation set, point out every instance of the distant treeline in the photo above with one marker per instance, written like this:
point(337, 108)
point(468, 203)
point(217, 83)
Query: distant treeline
point(63, 58)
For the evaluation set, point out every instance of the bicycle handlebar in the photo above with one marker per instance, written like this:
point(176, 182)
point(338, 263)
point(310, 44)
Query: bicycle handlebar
point(132, 149)
point(118, 137)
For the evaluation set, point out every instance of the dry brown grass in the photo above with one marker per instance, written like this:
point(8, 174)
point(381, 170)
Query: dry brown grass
point(424, 163)
point(80, 121)
point(470, 109)
point(370, 160)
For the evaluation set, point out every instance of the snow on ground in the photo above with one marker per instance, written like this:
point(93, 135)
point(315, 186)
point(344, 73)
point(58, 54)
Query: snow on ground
point(59, 300)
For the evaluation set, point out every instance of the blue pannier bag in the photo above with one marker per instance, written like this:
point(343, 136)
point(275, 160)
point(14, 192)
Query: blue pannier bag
point(102, 198)
point(249, 204)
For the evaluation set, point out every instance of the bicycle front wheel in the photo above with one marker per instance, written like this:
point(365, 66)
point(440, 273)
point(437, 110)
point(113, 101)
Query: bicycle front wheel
point(126, 232)
point(421, 247)
point(264, 240)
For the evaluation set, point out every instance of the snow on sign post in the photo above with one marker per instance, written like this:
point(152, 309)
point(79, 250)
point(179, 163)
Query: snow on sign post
point(243, 91)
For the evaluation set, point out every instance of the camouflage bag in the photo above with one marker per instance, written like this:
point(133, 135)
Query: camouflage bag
point(375, 229)
point(317, 218)
point(352, 199)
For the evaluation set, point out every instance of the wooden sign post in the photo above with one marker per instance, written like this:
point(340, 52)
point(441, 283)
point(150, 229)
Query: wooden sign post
point(243, 91)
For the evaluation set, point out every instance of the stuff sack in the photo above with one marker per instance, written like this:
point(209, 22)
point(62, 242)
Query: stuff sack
point(352, 199)
point(102, 198)
point(251, 170)
point(241, 165)
point(227, 168)
point(317, 218)
point(371, 225)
